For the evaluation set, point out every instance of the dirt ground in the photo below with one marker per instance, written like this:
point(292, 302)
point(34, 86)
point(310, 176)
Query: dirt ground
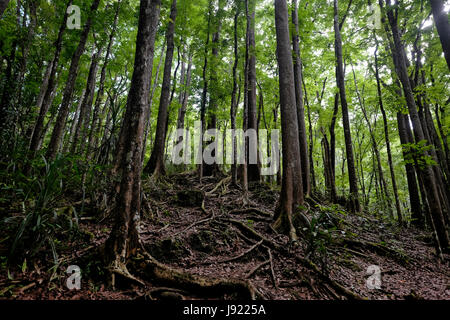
point(214, 230)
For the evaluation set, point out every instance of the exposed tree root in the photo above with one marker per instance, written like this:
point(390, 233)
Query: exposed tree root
point(222, 182)
point(243, 254)
point(251, 210)
point(378, 248)
point(336, 286)
point(157, 272)
point(254, 270)
point(272, 271)
point(271, 244)
point(251, 232)
point(211, 217)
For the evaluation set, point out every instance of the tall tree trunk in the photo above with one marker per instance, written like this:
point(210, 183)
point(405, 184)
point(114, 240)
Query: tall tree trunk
point(86, 106)
point(185, 98)
point(55, 141)
point(27, 42)
point(386, 137)
point(96, 121)
point(148, 122)
point(155, 166)
point(306, 170)
point(74, 124)
point(383, 183)
point(204, 92)
point(442, 26)
point(340, 75)
point(426, 172)
point(10, 82)
point(212, 169)
point(48, 87)
point(292, 185)
point(253, 170)
point(414, 199)
point(333, 148)
point(311, 136)
point(234, 102)
point(124, 236)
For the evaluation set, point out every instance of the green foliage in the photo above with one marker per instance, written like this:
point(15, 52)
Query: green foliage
point(418, 153)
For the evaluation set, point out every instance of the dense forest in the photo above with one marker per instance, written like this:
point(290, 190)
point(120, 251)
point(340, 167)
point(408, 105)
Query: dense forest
point(224, 149)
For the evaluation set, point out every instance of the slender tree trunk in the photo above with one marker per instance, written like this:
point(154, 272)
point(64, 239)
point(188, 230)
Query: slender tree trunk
point(414, 199)
point(155, 165)
point(306, 170)
point(204, 93)
point(124, 236)
point(9, 82)
point(354, 197)
point(74, 124)
point(234, 102)
point(148, 122)
point(86, 106)
point(292, 185)
point(55, 142)
point(17, 93)
point(48, 87)
point(212, 169)
point(185, 98)
point(333, 148)
point(383, 183)
point(96, 121)
point(311, 136)
point(386, 136)
point(253, 171)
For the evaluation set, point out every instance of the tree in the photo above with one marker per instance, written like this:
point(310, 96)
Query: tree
point(306, 170)
point(46, 95)
point(124, 237)
point(340, 77)
point(55, 142)
point(427, 174)
point(155, 166)
point(292, 185)
point(387, 139)
point(253, 173)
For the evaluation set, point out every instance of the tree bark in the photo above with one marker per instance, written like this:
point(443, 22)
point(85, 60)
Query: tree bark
point(386, 137)
point(426, 172)
point(86, 106)
point(354, 197)
point(253, 170)
point(124, 236)
point(292, 185)
point(156, 166)
point(46, 95)
point(234, 101)
point(298, 76)
point(55, 141)
point(96, 121)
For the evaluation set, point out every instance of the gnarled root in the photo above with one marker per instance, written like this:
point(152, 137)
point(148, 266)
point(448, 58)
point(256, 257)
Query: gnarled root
point(157, 272)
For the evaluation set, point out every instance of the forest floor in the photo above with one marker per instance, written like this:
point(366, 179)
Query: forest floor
point(212, 230)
